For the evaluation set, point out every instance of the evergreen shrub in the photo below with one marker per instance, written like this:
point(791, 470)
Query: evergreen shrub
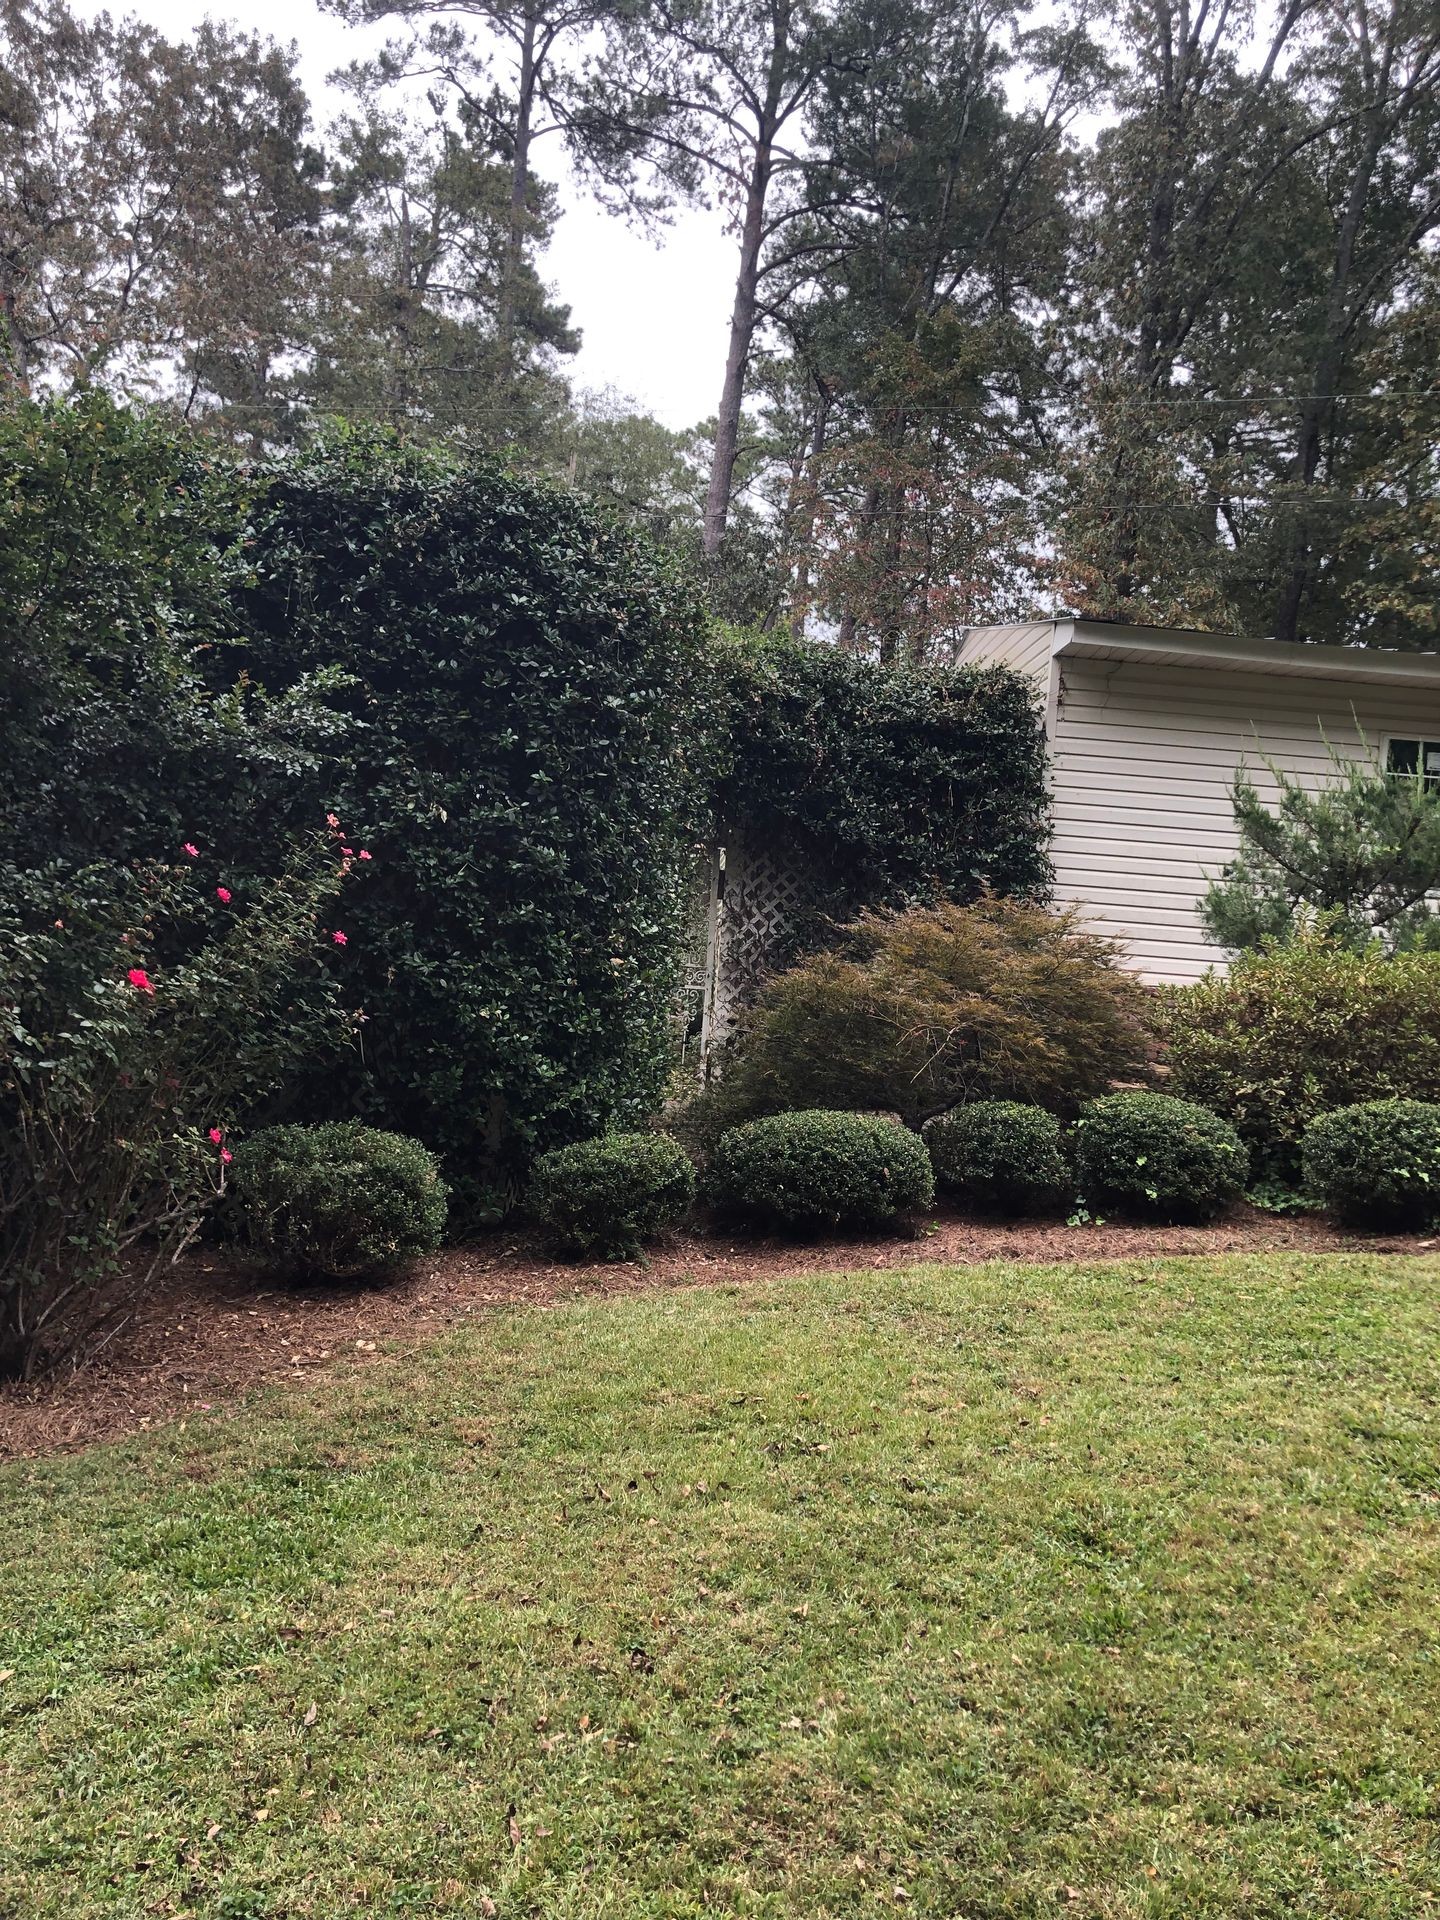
point(817, 1169)
point(917, 1011)
point(1299, 1028)
point(896, 784)
point(339, 1199)
point(1153, 1155)
point(1376, 1164)
point(999, 1156)
point(609, 1196)
point(527, 717)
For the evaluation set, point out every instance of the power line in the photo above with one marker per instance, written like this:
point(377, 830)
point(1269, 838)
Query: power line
point(1388, 396)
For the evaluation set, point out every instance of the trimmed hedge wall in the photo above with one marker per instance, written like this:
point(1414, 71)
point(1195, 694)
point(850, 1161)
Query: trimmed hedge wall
point(527, 765)
point(902, 785)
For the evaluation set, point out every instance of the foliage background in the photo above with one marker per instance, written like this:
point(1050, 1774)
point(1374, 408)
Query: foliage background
point(514, 703)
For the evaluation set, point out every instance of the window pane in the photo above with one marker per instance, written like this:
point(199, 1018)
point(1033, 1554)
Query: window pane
point(1404, 756)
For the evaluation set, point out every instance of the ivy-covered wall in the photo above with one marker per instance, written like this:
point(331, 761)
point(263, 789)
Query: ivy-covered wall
point(896, 783)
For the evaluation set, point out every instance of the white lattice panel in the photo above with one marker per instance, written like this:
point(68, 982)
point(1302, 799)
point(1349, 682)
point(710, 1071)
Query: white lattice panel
point(759, 891)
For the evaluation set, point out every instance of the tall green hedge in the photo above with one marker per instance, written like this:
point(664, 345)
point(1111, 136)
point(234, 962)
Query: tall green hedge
point(124, 728)
point(899, 785)
point(515, 708)
point(526, 767)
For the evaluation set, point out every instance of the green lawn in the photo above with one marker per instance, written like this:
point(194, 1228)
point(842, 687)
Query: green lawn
point(1105, 1590)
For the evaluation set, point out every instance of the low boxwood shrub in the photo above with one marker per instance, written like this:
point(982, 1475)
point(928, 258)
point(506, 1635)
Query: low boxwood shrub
point(1298, 1029)
point(1151, 1154)
point(1377, 1164)
point(999, 1156)
point(608, 1196)
point(338, 1199)
point(820, 1169)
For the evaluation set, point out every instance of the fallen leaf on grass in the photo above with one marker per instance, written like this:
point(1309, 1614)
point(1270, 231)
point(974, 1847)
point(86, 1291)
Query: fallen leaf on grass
point(310, 1712)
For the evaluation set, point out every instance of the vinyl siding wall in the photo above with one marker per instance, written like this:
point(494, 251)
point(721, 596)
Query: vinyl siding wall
point(1025, 649)
point(1143, 761)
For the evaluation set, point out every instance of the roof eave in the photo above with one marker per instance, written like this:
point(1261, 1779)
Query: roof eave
point(1175, 646)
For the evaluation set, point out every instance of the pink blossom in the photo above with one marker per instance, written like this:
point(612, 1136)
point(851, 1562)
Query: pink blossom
point(217, 1134)
point(332, 820)
point(190, 848)
point(363, 854)
point(222, 894)
point(140, 980)
point(349, 852)
point(226, 1156)
point(340, 939)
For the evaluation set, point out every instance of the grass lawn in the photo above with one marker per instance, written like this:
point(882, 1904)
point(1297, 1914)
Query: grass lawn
point(1082, 1591)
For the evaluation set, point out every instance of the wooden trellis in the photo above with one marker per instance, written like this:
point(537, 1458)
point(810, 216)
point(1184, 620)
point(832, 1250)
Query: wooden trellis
point(753, 893)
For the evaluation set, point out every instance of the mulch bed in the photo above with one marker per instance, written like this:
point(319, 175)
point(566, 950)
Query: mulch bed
point(217, 1327)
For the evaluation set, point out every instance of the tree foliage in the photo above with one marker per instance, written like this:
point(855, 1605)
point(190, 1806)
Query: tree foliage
point(125, 727)
point(1360, 854)
point(160, 204)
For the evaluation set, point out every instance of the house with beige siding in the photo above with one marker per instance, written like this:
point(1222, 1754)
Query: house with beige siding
point(1147, 727)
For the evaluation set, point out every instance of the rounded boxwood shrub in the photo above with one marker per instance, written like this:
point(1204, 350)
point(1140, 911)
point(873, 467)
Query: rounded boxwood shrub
point(1376, 1164)
point(1149, 1153)
point(607, 1196)
point(820, 1169)
point(999, 1156)
point(338, 1199)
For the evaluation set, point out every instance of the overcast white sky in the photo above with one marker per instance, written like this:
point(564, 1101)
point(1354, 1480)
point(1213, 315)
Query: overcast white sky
point(654, 314)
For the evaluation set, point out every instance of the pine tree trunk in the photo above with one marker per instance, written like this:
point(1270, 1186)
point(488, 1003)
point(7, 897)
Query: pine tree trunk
point(737, 358)
point(519, 195)
point(1319, 406)
point(747, 282)
point(810, 507)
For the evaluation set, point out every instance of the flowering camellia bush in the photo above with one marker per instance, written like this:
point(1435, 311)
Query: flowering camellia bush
point(141, 1010)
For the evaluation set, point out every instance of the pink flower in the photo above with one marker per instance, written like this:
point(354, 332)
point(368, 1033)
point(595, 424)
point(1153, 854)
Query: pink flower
point(140, 980)
point(222, 894)
point(339, 939)
point(349, 852)
point(217, 1134)
point(190, 848)
point(332, 820)
point(226, 1156)
point(363, 854)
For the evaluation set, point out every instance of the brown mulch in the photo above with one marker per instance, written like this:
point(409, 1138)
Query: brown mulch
point(216, 1326)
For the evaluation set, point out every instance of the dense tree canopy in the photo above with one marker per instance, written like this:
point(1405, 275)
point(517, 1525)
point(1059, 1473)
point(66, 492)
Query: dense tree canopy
point(1131, 313)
